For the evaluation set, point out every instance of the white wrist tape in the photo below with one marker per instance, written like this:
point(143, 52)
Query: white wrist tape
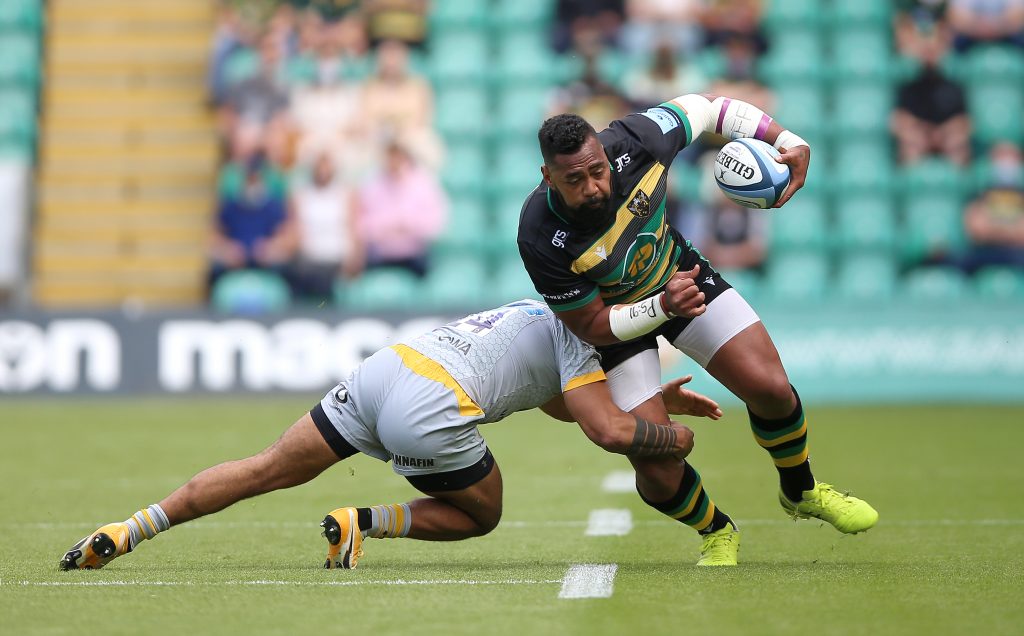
point(732, 118)
point(632, 321)
point(736, 119)
point(789, 140)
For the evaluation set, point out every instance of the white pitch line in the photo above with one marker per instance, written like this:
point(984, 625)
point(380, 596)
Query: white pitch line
point(588, 580)
point(264, 582)
point(619, 481)
point(609, 522)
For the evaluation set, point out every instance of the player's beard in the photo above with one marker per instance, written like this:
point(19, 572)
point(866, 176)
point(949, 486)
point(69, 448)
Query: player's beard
point(591, 215)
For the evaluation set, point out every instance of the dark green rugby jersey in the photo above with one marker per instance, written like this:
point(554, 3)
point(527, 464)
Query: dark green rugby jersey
point(637, 252)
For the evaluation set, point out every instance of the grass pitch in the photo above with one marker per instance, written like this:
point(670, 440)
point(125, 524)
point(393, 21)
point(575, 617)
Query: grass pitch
point(945, 558)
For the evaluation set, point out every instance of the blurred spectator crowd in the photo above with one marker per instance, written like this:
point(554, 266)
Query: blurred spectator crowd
point(330, 157)
point(338, 162)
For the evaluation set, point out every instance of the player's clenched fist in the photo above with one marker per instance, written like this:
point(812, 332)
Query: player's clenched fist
point(682, 296)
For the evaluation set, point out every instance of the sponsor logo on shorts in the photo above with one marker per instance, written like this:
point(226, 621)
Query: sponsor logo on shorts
point(341, 395)
point(411, 462)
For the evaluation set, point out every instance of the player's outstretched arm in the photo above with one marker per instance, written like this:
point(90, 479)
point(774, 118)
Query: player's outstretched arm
point(618, 432)
point(680, 401)
point(735, 119)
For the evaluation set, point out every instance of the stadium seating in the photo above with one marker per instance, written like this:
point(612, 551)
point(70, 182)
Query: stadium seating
point(1000, 283)
point(866, 277)
point(935, 285)
point(250, 292)
point(382, 289)
point(798, 276)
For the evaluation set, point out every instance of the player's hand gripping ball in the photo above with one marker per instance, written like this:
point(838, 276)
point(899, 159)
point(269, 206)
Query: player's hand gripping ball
point(748, 174)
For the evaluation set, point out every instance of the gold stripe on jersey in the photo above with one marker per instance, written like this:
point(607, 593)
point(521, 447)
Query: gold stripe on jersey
point(432, 370)
point(623, 217)
point(586, 378)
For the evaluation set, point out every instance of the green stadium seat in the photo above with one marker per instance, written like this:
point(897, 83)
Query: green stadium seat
point(996, 112)
point(518, 14)
point(462, 113)
point(380, 289)
point(465, 231)
point(797, 276)
point(18, 150)
point(457, 14)
point(932, 226)
point(999, 283)
point(935, 285)
point(505, 220)
point(995, 63)
point(520, 110)
point(935, 175)
point(746, 281)
point(862, 166)
point(250, 292)
point(861, 55)
point(801, 108)
point(524, 57)
point(782, 15)
point(518, 169)
point(801, 225)
point(865, 223)
point(242, 64)
point(19, 58)
point(464, 164)
point(791, 65)
point(455, 282)
point(876, 14)
point(511, 282)
point(866, 277)
point(862, 109)
point(459, 57)
point(17, 115)
point(21, 14)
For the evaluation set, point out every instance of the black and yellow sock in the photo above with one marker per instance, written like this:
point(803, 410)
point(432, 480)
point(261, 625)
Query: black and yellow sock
point(786, 441)
point(692, 505)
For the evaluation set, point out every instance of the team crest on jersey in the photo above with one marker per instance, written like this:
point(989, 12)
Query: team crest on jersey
point(640, 205)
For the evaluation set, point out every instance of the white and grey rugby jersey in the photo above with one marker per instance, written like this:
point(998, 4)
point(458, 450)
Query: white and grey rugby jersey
point(512, 358)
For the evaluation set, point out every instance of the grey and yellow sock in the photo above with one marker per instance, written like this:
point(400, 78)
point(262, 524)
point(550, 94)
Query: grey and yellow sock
point(385, 522)
point(146, 524)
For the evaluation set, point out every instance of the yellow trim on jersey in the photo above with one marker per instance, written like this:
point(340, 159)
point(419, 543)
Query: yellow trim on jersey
point(606, 244)
point(431, 370)
point(582, 380)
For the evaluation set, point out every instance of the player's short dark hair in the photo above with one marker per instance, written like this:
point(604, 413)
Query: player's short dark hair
point(563, 135)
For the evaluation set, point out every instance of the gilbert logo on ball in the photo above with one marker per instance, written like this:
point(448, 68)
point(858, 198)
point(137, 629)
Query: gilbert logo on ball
point(748, 174)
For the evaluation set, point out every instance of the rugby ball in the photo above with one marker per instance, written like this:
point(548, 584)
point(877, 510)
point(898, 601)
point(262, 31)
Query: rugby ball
point(748, 174)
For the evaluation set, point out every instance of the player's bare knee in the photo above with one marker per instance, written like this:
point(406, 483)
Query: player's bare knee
point(772, 396)
point(488, 519)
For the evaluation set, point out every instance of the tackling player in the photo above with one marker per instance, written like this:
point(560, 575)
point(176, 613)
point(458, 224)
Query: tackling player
point(595, 240)
point(418, 405)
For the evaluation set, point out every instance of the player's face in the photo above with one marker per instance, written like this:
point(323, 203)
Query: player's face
point(584, 181)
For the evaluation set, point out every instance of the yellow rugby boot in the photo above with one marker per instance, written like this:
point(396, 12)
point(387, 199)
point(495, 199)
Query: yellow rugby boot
point(720, 547)
point(846, 513)
point(99, 548)
point(345, 540)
